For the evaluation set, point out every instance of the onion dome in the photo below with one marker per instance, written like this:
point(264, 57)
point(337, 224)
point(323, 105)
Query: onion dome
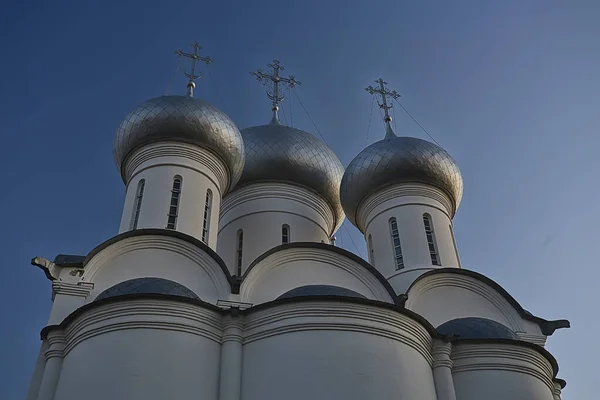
point(476, 328)
point(147, 286)
point(280, 153)
point(396, 160)
point(181, 119)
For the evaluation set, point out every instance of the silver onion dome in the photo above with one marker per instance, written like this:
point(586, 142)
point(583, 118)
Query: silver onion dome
point(395, 160)
point(181, 119)
point(280, 153)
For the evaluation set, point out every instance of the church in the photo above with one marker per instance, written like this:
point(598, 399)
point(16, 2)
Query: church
point(224, 281)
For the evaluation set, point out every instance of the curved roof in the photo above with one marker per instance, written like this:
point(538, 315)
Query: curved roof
point(147, 285)
point(476, 328)
point(280, 153)
point(181, 119)
point(320, 290)
point(547, 327)
point(396, 160)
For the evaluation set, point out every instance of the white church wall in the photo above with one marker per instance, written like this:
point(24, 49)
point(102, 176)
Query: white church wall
point(294, 267)
point(442, 297)
point(260, 211)
point(141, 350)
point(500, 371)
point(407, 204)
point(158, 256)
point(332, 350)
point(38, 373)
point(158, 165)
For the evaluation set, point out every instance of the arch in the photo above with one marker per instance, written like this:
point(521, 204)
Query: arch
point(320, 290)
point(286, 267)
point(147, 286)
point(174, 205)
point(137, 206)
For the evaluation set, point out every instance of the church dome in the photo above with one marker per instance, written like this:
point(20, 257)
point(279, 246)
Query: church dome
point(280, 153)
point(396, 160)
point(181, 119)
point(147, 285)
point(476, 328)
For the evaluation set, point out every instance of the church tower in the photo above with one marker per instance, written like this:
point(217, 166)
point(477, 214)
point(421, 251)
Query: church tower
point(402, 193)
point(288, 191)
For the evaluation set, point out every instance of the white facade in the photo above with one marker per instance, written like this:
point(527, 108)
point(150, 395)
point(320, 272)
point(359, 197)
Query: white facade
point(194, 310)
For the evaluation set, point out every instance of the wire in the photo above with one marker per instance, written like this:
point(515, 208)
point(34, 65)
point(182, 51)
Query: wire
point(284, 116)
point(216, 88)
point(352, 240)
point(309, 117)
point(291, 119)
point(417, 122)
point(394, 113)
point(169, 84)
point(370, 116)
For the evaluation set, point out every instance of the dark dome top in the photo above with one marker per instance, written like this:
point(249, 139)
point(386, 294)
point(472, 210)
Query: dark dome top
point(395, 160)
point(147, 285)
point(280, 153)
point(320, 290)
point(476, 328)
point(181, 119)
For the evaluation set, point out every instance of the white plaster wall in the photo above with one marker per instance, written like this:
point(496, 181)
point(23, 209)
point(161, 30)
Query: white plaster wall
point(407, 203)
point(146, 355)
point(290, 268)
point(200, 173)
point(500, 372)
point(342, 355)
point(38, 373)
point(161, 257)
point(260, 210)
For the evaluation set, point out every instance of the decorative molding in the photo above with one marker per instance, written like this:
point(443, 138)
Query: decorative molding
point(396, 192)
point(196, 154)
point(467, 283)
point(78, 289)
point(233, 327)
point(56, 344)
point(290, 254)
point(284, 191)
point(528, 337)
point(282, 318)
point(162, 314)
point(502, 357)
point(441, 352)
point(199, 256)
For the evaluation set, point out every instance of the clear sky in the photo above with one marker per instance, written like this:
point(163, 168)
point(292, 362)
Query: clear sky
point(509, 88)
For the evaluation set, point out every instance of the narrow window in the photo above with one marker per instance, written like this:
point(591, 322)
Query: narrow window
point(396, 243)
point(371, 253)
point(433, 252)
point(206, 221)
point(285, 234)
point(137, 206)
point(454, 243)
point(173, 208)
point(239, 247)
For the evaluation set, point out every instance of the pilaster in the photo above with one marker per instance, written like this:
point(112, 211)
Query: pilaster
point(231, 357)
point(442, 370)
point(54, 356)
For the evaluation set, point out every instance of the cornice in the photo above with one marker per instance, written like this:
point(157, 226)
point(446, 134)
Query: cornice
point(319, 252)
point(78, 289)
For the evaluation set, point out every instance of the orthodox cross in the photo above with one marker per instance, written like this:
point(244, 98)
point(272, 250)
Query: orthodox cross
point(193, 57)
point(384, 93)
point(274, 77)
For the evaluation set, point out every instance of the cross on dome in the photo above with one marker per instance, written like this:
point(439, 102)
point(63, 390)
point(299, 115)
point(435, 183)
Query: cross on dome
point(273, 93)
point(193, 57)
point(384, 93)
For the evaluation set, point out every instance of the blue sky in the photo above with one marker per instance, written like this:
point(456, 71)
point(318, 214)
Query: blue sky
point(509, 89)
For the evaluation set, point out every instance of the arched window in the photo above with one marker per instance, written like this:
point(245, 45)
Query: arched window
point(137, 205)
point(174, 206)
point(238, 252)
point(206, 221)
point(371, 253)
point(285, 234)
point(396, 243)
point(433, 251)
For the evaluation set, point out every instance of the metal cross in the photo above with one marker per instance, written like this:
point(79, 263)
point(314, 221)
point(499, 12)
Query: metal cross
point(274, 77)
point(194, 57)
point(384, 93)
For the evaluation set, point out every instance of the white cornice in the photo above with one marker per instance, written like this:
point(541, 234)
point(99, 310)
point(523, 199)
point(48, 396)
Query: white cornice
point(502, 357)
point(307, 254)
point(78, 289)
point(338, 316)
point(158, 242)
